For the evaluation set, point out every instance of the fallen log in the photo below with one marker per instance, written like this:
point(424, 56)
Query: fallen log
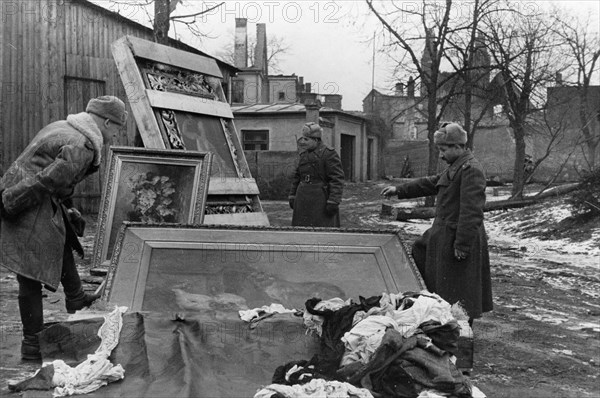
point(420, 213)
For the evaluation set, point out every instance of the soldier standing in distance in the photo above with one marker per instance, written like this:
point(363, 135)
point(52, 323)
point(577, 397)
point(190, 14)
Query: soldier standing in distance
point(318, 182)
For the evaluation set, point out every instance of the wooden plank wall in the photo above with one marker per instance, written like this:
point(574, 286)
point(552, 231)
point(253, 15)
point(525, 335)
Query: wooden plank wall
point(44, 44)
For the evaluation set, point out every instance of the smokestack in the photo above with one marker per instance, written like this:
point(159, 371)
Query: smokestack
point(307, 88)
point(260, 52)
point(411, 87)
point(240, 54)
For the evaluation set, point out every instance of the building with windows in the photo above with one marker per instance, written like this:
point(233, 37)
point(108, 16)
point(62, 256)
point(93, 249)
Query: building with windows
point(270, 111)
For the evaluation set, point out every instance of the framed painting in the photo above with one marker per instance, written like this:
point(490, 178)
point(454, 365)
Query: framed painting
point(178, 102)
point(150, 186)
point(203, 268)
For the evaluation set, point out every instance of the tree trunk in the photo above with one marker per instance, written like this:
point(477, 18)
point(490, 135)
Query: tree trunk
point(161, 21)
point(518, 173)
point(401, 214)
point(468, 105)
point(432, 166)
point(591, 140)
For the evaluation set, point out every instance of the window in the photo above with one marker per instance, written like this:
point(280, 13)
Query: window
point(281, 96)
point(255, 140)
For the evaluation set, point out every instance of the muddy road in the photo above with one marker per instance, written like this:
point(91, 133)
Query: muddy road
point(541, 340)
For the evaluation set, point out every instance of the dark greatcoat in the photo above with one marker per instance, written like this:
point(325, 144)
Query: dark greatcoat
point(458, 224)
point(318, 180)
point(33, 191)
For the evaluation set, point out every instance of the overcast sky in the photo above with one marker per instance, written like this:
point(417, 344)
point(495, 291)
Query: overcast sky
point(331, 41)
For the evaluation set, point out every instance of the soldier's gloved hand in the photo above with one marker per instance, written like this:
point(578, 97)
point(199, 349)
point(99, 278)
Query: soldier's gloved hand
point(291, 201)
point(332, 208)
point(76, 220)
point(460, 255)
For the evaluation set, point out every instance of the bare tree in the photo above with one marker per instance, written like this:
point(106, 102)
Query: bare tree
point(525, 51)
point(583, 47)
point(430, 24)
point(470, 59)
point(162, 15)
point(550, 129)
point(277, 49)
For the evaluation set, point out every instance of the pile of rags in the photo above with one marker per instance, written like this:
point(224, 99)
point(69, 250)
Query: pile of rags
point(394, 345)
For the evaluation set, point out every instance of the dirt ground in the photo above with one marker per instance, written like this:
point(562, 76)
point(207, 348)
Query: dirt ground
point(541, 340)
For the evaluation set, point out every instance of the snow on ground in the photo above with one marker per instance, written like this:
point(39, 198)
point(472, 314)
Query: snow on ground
point(564, 264)
point(556, 260)
point(507, 233)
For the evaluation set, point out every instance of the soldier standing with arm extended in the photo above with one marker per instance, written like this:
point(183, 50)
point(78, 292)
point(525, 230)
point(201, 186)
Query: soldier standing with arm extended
point(452, 256)
point(38, 227)
point(318, 182)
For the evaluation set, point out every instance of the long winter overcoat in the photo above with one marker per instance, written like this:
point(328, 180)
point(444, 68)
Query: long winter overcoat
point(33, 190)
point(458, 223)
point(318, 180)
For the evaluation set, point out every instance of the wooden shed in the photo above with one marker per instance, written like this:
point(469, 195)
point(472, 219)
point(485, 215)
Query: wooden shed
point(55, 56)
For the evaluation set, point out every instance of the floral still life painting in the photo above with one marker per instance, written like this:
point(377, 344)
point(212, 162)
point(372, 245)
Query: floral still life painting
point(153, 198)
point(150, 186)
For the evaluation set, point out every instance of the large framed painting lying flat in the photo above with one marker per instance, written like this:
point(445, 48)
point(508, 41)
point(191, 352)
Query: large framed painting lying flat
point(151, 186)
point(202, 268)
point(178, 103)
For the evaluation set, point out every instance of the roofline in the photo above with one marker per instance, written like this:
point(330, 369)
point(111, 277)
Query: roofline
point(280, 112)
point(128, 21)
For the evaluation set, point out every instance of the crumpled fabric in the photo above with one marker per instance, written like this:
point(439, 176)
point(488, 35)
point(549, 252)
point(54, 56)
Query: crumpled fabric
point(335, 325)
point(413, 311)
point(364, 338)
point(297, 372)
point(96, 371)
point(366, 335)
point(317, 388)
point(249, 315)
point(475, 392)
point(314, 323)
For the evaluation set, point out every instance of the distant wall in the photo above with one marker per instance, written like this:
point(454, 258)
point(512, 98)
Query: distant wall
point(396, 152)
point(495, 149)
point(272, 171)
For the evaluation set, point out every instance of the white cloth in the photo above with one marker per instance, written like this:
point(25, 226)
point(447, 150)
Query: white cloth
point(475, 393)
point(314, 323)
point(427, 307)
point(249, 315)
point(316, 388)
point(96, 371)
point(364, 338)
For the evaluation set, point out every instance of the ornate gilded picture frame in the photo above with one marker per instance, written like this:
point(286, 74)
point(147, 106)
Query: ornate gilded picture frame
point(203, 267)
point(178, 102)
point(151, 186)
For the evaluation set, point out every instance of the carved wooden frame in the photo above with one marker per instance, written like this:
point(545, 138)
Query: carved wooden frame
point(142, 159)
point(160, 82)
point(331, 256)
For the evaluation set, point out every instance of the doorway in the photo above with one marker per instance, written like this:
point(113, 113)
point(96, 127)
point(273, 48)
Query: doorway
point(347, 155)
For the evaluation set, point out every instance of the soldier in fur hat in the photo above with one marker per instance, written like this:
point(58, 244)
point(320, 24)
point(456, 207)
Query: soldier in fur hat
point(452, 256)
point(38, 226)
point(317, 184)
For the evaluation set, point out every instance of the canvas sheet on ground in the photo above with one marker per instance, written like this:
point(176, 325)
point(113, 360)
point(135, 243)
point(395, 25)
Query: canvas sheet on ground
point(214, 354)
point(203, 268)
